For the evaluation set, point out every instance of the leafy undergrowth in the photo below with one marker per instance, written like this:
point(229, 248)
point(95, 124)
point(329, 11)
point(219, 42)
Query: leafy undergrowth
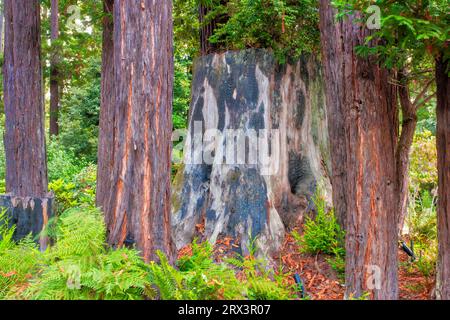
point(79, 266)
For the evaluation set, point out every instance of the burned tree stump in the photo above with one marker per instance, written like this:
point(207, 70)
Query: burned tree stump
point(29, 215)
point(256, 150)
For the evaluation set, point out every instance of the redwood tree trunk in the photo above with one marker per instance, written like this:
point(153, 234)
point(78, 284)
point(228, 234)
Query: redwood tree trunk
point(26, 168)
point(409, 124)
point(367, 103)
point(54, 72)
point(138, 209)
point(106, 132)
point(332, 52)
point(207, 29)
point(443, 150)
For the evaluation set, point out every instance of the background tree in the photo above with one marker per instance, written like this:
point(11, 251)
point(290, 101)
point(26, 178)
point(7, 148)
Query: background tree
point(368, 105)
point(54, 73)
point(26, 167)
point(106, 135)
point(138, 208)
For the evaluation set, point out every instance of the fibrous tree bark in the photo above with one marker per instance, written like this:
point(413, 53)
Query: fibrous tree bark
point(409, 111)
point(409, 122)
point(26, 167)
point(332, 55)
point(443, 151)
point(207, 28)
point(54, 70)
point(367, 102)
point(138, 207)
point(27, 200)
point(106, 126)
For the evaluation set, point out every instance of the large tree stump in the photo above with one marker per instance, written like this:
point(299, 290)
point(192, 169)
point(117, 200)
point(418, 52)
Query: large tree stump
point(247, 199)
point(29, 215)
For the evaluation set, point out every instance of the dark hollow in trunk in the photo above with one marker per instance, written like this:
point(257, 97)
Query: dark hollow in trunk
point(138, 206)
point(249, 91)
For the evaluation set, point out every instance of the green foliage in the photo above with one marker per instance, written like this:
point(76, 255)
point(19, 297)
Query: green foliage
point(289, 27)
point(410, 30)
point(423, 163)
point(78, 266)
point(17, 261)
point(198, 277)
point(422, 216)
point(321, 234)
point(79, 115)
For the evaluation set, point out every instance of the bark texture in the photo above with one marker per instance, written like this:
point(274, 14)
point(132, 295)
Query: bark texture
point(26, 167)
point(1, 25)
point(54, 72)
point(207, 28)
point(409, 123)
point(443, 151)
point(107, 103)
point(280, 112)
point(332, 53)
point(138, 209)
point(367, 103)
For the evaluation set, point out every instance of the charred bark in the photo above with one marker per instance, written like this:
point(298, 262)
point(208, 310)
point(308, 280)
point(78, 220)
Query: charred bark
point(26, 167)
point(443, 151)
point(367, 102)
point(54, 70)
point(138, 208)
point(256, 152)
point(106, 127)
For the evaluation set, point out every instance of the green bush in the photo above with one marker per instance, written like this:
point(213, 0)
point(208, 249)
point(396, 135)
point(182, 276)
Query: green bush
point(78, 266)
point(321, 234)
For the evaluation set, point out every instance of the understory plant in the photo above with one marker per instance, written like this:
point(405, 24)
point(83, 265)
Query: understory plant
point(79, 266)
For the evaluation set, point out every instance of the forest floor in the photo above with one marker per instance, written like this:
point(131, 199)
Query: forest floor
point(322, 282)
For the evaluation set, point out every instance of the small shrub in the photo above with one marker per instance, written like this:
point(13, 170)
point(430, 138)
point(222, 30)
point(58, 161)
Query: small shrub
point(321, 234)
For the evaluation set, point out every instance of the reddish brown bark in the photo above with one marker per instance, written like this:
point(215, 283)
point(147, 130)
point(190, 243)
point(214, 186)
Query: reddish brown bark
point(26, 168)
point(409, 123)
point(332, 52)
point(367, 102)
point(207, 28)
point(54, 72)
point(138, 209)
point(106, 126)
point(443, 154)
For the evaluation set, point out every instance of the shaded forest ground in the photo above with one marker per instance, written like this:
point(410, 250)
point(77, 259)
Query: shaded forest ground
point(320, 280)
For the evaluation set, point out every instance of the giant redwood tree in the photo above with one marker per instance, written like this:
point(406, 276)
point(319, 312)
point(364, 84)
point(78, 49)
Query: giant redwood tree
point(138, 207)
point(361, 98)
point(443, 152)
point(106, 133)
point(26, 168)
point(54, 70)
